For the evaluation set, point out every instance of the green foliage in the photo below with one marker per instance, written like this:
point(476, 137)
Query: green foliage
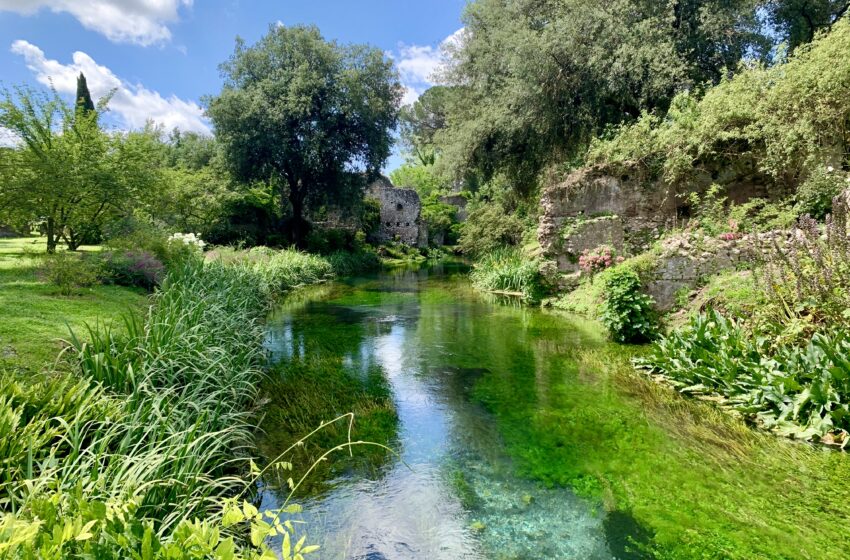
point(131, 268)
point(627, 312)
point(804, 278)
point(532, 90)
point(441, 219)
point(67, 171)
point(800, 391)
point(419, 177)
point(508, 270)
point(814, 197)
point(784, 120)
point(489, 227)
point(421, 122)
point(156, 426)
point(70, 272)
point(350, 263)
point(286, 95)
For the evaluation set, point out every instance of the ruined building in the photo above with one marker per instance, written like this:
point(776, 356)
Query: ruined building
point(400, 214)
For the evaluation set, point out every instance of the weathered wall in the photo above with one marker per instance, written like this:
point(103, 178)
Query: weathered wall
point(459, 202)
point(400, 214)
point(619, 206)
point(595, 206)
point(685, 261)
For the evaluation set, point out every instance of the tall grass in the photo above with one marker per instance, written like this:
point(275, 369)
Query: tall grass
point(507, 270)
point(158, 428)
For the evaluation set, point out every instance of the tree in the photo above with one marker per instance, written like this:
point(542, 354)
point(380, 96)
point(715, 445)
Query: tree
point(421, 121)
point(84, 101)
point(310, 116)
point(66, 171)
point(537, 79)
point(799, 20)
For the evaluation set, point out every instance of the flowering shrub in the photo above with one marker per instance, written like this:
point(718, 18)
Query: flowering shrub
point(132, 268)
point(183, 245)
point(730, 235)
point(597, 260)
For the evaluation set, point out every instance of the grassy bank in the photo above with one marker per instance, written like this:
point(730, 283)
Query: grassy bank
point(133, 453)
point(700, 483)
point(35, 317)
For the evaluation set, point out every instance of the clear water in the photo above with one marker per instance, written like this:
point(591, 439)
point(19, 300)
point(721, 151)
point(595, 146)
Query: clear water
point(433, 338)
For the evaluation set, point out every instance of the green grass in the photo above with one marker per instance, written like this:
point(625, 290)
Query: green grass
point(35, 317)
point(154, 423)
point(508, 270)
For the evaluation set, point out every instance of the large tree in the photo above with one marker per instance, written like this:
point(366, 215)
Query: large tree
point(66, 170)
point(538, 78)
point(311, 116)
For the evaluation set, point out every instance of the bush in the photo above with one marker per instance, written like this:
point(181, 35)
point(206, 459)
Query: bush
point(347, 263)
point(508, 270)
point(144, 454)
point(627, 312)
point(70, 272)
point(814, 197)
point(488, 228)
point(131, 268)
point(806, 277)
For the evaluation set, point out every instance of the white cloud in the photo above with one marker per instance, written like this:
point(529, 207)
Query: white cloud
point(144, 22)
point(420, 65)
point(134, 104)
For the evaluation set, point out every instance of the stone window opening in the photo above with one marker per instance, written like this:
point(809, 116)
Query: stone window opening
point(389, 224)
point(406, 224)
point(398, 224)
point(399, 207)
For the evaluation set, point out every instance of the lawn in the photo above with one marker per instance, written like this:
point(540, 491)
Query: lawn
point(35, 318)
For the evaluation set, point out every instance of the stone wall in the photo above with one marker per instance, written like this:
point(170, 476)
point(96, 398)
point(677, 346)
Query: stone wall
point(459, 202)
point(400, 214)
point(595, 206)
point(620, 206)
point(685, 261)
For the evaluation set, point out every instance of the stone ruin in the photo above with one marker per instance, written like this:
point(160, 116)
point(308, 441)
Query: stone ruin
point(401, 218)
point(618, 206)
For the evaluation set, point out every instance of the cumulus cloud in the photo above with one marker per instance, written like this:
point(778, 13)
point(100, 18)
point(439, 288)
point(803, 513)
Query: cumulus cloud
point(133, 104)
point(143, 22)
point(420, 65)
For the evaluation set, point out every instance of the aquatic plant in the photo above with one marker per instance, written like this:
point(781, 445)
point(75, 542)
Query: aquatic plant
point(508, 270)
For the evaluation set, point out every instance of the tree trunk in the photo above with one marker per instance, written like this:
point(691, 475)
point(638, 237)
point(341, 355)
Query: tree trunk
point(298, 225)
point(51, 236)
point(72, 240)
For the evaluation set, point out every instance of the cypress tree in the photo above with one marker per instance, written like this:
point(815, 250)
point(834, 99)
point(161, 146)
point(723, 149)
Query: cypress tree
point(84, 101)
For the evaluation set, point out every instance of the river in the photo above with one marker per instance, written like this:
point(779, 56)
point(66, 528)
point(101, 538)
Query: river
point(454, 491)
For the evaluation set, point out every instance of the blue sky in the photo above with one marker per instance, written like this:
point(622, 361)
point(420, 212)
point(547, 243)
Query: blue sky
point(162, 56)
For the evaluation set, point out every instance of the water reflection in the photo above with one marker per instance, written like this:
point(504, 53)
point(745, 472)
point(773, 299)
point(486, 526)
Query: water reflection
point(456, 493)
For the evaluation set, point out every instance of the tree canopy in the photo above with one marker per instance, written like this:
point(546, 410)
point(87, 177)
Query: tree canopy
point(66, 171)
point(311, 116)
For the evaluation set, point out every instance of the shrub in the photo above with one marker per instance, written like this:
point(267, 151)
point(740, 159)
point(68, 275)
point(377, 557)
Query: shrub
point(806, 275)
point(135, 458)
point(70, 272)
point(132, 268)
point(347, 263)
point(488, 228)
point(596, 260)
point(627, 312)
point(814, 197)
point(508, 270)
